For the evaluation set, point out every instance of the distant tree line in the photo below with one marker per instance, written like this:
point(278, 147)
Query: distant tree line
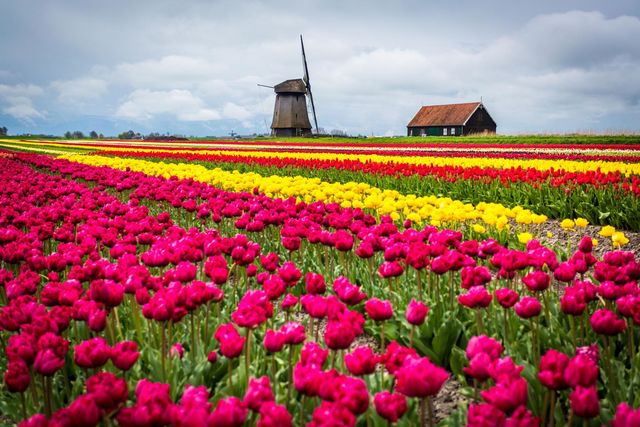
point(80, 135)
point(3, 131)
point(153, 135)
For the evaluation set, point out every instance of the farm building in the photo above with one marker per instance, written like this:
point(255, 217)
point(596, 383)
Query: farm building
point(451, 120)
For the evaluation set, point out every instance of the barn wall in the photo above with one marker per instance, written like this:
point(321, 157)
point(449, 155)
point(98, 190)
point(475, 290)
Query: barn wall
point(434, 131)
point(480, 122)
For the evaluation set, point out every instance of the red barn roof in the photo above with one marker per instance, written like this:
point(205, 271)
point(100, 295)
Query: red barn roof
point(444, 115)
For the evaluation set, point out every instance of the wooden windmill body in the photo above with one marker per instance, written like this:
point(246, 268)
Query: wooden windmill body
point(290, 113)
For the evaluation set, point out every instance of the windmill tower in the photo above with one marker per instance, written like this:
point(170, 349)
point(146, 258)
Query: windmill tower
point(290, 114)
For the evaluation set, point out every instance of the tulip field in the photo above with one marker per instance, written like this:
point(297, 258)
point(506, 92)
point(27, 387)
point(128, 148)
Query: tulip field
point(337, 283)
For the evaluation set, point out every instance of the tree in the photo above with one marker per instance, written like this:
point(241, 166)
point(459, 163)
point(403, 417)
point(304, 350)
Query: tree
point(127, 135)
point(3, 131)
point(93, 134)
point(68, 135)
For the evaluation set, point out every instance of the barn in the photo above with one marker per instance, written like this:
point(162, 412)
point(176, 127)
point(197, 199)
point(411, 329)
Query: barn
point(451, 120)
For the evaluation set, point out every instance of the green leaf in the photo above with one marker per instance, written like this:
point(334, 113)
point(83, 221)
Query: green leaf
point(458, 360)
point(445, 338)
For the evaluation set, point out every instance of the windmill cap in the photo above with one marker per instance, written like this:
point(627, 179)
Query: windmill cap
point(291, 86)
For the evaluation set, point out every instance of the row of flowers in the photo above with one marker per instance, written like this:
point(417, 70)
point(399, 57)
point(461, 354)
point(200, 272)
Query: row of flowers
point(552, 177)
point(539, 159)
point(614, 145)
point(431, 209)
point(569, 192)
point(112, 263)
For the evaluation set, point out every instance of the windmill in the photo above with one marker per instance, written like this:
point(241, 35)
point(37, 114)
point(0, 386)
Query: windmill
point(290, 113)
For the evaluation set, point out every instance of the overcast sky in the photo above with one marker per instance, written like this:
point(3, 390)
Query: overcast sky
point(192, 67)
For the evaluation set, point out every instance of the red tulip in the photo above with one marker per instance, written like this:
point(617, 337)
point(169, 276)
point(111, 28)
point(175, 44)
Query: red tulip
point(258, 393)
point(552, 367)
point(605, 322)
point(293, 333)
point(528, 307)
point(92, 353)
point(418, 377)
point(361, 361)
point(537, 281)
point(231, 342)
point(229, 412)
point(507, 297)
point(108, 390)
point(581, 371)
point(274, 415)
point(17, 377)
point(314, 283)
point(507, 394)
point(416, 312)
point(476, 297)
point(484, 344)
point(479, 367)
point(485, 415)
point(273, 341)
point(626, 416)
point(378, 310)
point(84, 411)
point(390, 406)
point(47, 362)
point(124, 355)
point(584, 402)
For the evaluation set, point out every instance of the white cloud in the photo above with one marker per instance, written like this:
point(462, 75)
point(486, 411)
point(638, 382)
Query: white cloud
point(80, 90)
point(18, 102)
point(172, 71)
point(22, 108)
point(235, 112)
point(182, 104)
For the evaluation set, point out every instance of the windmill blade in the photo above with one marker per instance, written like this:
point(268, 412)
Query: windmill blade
point(307, 82)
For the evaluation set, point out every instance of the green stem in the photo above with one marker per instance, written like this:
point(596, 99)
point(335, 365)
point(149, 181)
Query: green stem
point(206, 325)
point(116, 320)
point(289, 383)
point(413, 327)
point(611, 381)
point(552, 410)
point(505, 324)
point(135, 313)
point(479, 324)
point(423, 411)
point(430, 408)
point(47, 396)
point(24, 406)
point(247, 358)
point(193, 337)
point(163, 350)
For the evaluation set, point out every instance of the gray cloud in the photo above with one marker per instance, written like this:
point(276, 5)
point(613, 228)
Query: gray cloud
point(193, 66)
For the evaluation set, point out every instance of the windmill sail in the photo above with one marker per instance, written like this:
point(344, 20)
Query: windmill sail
point(307, 83)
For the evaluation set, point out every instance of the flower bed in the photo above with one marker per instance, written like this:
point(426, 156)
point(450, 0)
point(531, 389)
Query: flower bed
point(129, 297)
